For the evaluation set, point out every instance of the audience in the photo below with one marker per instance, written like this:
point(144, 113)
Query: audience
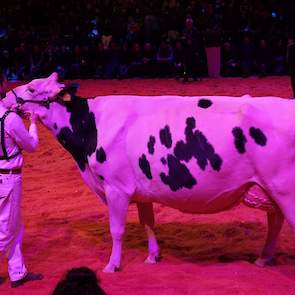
point(79, 281)
point(148, 38)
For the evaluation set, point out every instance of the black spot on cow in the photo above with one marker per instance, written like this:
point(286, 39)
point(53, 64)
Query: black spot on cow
point(163, 161)
point(258, 136)
point(178, 176)
point(101, 155)
point(145, 166)
point(165, 137)
point(80, 139)
point(198, 147)
point(240, 139)
point(151, 145)
point(101, 177)
point(204, 103)
point(55, 126)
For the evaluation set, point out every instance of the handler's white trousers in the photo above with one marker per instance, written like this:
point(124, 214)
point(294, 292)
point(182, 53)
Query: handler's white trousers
point(11, 227)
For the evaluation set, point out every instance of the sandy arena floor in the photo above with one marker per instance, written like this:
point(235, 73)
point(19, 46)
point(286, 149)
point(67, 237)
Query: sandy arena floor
point(67, 226)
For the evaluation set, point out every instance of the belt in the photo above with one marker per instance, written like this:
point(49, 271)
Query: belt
point(11, 171)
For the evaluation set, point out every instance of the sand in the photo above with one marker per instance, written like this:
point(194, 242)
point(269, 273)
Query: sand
point(66, 225)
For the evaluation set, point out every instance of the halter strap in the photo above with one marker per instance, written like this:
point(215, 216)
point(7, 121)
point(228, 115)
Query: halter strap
point(4, 150)
point(44, 103)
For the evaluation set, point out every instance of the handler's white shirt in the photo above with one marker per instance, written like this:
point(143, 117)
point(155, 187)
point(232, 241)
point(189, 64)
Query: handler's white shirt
point(11, 229)
point(17, 137)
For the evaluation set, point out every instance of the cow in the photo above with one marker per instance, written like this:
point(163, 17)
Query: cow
point(199, 154)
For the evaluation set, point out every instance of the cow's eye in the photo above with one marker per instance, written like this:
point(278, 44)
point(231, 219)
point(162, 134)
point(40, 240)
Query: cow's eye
point(31, 90)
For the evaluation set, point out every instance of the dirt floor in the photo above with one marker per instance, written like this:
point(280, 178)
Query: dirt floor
point(67, 226)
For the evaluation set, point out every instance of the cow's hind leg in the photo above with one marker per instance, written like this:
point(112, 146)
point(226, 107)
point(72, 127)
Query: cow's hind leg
point(146, 217)
point(118, 206)
point(275, 222)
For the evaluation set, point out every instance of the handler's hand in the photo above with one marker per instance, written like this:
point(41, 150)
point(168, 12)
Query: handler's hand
point(33, 117)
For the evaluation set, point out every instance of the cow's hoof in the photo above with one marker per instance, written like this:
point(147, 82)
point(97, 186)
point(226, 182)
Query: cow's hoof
point(262, 262)
point(152, 259)
point(111, 268)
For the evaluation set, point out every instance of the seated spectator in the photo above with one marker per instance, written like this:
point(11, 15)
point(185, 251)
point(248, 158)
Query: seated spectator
point(279, 57)
point(148, 60)
point(263, 58)
point(136, 61)
point(113, 61)
point(6, 62)
point(230, 64)
point(106, 39)
point(133, 31)
point(247, 56)
point(22, 61)
point(100, 61)
point(178, 54)
point(76, 63)
point(79, 281)
point(151, 30)
point(165, 59)
point(124, 61)
point(36, 61)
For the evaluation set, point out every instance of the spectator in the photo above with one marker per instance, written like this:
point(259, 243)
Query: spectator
point(279, 57)
point(230, 63)
point(76, 26)
point(148, 66)
point(6, 62)
point(192, 48)
point(164, 59)
point(291, 62)
point(3, 84)
point(136, 61)
point(79, 281)
point(36, 61)
point(247, 56)
point(113, 67)
point(100, 61)
point(213, 44)
point(263, 58)
point(178, 59)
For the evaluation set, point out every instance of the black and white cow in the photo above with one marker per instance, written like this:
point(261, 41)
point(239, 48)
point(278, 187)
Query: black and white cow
point(196, 154)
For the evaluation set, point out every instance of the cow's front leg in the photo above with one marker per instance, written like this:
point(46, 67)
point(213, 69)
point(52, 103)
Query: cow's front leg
point(147, 219)
point(118, 207)
point(275, 222)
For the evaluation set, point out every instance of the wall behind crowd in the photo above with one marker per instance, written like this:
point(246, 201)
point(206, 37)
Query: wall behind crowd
point(129, 38)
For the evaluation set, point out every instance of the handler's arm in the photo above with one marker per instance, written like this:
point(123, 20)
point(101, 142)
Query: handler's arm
point(26, 140)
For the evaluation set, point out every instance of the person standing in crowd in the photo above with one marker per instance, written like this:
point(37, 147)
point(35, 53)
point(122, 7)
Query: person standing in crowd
point(14, 138)
point(213, 44)
point(191, 50)
point(291, 62)
point(263, 58)
point(247, 56)
point(3, 84)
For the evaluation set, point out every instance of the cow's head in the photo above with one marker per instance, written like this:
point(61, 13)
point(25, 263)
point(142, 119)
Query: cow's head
point(39, 92)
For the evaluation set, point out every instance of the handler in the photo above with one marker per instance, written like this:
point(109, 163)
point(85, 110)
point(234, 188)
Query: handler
point(14, 138)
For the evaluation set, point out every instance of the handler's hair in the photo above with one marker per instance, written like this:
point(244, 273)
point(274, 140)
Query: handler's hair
point(79, 281)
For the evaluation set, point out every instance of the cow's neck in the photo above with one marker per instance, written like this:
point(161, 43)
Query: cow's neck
point(74, 126)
